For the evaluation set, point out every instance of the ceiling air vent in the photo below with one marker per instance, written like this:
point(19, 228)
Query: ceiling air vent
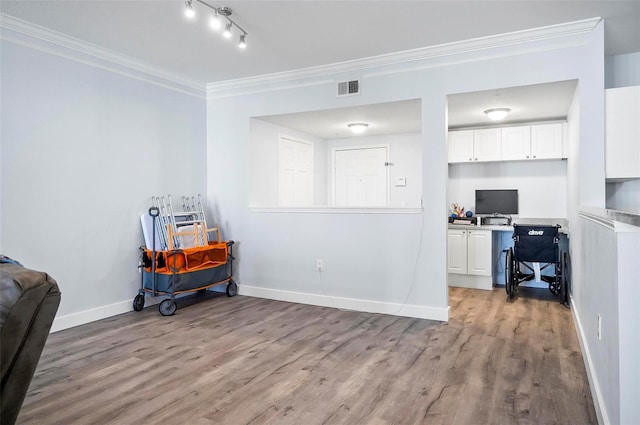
point(348, 88)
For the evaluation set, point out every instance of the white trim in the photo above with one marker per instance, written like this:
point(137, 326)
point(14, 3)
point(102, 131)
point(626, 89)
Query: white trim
point(394, 309)
point(448, 49)
point(68, 47)
point(596, 392)
point(337, 210)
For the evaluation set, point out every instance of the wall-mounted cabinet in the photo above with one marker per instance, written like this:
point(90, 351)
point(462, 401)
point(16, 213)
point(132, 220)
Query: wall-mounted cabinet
point(475, 145)
point(526, 142)
point(622, 114)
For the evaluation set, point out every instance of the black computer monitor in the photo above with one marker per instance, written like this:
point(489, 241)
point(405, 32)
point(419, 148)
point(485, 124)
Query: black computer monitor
point(503, 201)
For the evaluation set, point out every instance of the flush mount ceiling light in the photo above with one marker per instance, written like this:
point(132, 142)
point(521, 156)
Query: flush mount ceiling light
point(358, 127)
point(497, 114)
point(216, 21)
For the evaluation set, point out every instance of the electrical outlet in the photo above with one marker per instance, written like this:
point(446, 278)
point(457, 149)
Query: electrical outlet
point(599, 330)
point(320, 265)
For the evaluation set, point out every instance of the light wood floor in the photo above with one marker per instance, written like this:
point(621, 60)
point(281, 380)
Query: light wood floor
point(245, 360)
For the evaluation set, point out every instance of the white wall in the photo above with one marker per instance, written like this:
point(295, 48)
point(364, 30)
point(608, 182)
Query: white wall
point(263, 163)
point(404, 154)
point(541, 185)
point(83, 149)
point(379, 257)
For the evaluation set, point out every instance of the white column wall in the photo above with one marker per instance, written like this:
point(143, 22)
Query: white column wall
point(279, 250)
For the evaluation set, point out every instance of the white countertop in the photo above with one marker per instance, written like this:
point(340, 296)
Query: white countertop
point(500, 228)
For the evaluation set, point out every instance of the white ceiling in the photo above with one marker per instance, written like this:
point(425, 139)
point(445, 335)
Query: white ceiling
point(288, 35)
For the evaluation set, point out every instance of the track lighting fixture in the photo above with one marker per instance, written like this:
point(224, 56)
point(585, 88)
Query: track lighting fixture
point(216, 21)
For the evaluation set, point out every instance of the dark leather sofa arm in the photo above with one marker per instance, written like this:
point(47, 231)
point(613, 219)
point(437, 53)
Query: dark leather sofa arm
point(29, 301)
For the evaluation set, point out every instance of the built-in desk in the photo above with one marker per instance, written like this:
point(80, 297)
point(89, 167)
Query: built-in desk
point(475, 257)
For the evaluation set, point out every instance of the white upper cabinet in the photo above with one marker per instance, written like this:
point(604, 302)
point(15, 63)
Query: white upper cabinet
point(460, 146)
point(524, 142)
point(487, 144)
point(516, 142)
point(622, 116)
point(546, 141)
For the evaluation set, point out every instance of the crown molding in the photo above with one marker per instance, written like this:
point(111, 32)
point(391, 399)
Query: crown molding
point(41, 38)
point(257, 83)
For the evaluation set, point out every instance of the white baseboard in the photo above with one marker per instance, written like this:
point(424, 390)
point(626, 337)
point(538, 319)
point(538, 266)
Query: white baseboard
point(598, 401)
point(470, 281)
point(395, 309)
point(87, 316)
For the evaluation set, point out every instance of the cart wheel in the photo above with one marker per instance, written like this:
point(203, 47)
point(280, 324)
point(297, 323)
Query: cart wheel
point(168, 307)
point(232, 289)
point(138, 302)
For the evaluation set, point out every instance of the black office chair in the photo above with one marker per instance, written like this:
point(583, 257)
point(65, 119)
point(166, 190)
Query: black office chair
point(536, 244)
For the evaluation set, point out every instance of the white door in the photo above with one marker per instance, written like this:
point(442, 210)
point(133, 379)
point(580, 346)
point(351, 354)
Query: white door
point(479, 252)
point(360, 177)
point(295, 174)
point(516, 142)
point(546, 141)
point(457, 252)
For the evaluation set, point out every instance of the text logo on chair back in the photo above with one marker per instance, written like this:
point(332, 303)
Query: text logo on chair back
point(536, 232)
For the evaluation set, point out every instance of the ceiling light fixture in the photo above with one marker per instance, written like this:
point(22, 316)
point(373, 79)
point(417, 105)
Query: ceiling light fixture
point(358, 127)
point(497, 114)
point(220, 13)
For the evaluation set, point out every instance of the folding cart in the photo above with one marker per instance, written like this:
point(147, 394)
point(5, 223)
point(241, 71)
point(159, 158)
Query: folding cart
point(173, 271)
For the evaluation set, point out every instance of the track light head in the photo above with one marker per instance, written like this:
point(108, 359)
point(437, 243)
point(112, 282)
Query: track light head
point(188, 11)
point(242, 44)
point(227, 31)
point(215, 23)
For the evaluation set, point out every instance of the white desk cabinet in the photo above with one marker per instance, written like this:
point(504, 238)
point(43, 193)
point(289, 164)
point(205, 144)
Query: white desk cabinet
point(479, 252)
point(457, 255)
point(469, 252)
point(622, 114)
point(546, 141)
point(469, 258)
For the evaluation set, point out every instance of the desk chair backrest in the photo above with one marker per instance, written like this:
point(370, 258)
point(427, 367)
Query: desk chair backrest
point(535, 243)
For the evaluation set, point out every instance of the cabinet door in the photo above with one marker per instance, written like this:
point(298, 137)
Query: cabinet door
point(546, 141)
point(457, 252)
point(479, 252)
point(460, 146)
point(623, 132)
point(487, 144)
point(516, 142)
